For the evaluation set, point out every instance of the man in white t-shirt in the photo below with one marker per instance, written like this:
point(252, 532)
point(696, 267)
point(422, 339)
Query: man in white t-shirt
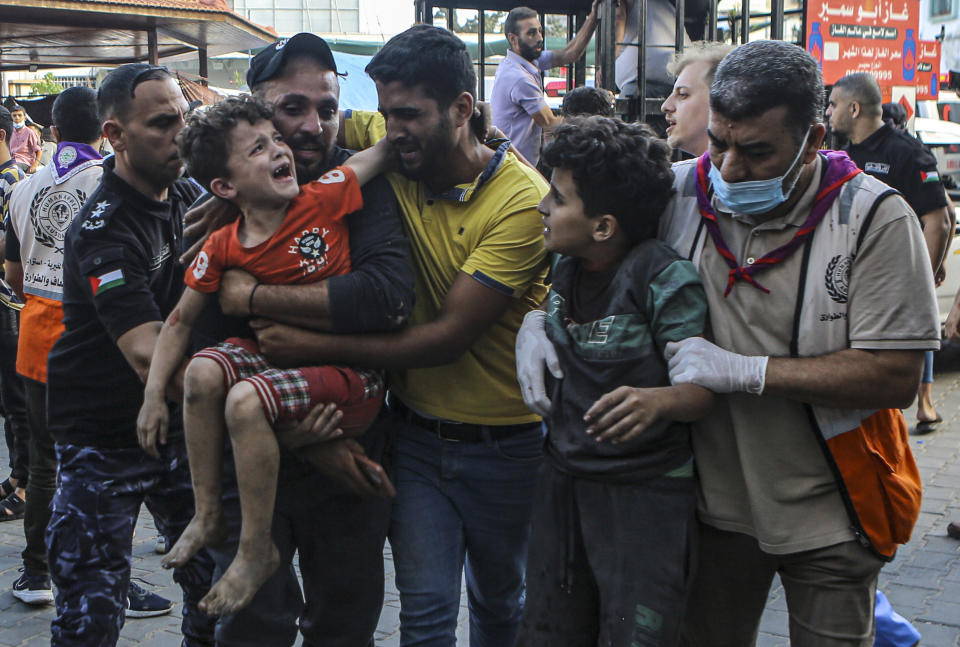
point(659, 39)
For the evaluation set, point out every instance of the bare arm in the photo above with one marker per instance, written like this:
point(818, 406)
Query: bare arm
point(36, 160)
point(172, 342)
point(469, 309)
point(14, 276)
point(167, 361)
point(937, 227)
point(951, 329)
point(546, 119)
point(370, 162)
point(850, 378)
point(576, 47)
point(137, 346)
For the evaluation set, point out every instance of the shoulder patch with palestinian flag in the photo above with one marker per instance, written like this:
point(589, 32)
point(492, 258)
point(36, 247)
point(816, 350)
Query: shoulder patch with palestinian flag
point(106, 280)
point(929, 176)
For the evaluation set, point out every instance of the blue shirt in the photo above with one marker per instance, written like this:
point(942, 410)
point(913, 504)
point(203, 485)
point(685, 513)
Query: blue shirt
point(518, 95)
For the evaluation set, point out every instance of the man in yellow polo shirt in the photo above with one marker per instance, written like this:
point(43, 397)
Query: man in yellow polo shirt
point(467, 447)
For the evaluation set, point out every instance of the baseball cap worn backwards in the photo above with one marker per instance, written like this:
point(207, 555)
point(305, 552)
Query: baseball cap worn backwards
point(268, 63)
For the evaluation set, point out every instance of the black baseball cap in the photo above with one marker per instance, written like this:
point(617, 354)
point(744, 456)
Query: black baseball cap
point(268, 63)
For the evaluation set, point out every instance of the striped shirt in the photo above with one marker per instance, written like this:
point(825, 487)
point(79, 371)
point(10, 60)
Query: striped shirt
point(10, 174)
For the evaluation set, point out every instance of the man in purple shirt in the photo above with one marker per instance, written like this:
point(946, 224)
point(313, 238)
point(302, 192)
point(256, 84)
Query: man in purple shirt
point(517, 102)
point(24, 142)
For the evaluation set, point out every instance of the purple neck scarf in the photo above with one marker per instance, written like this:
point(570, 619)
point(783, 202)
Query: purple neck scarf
point(840, 168)
point(71, 157)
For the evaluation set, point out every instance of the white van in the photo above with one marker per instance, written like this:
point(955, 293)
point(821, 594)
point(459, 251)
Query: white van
point(938, 126)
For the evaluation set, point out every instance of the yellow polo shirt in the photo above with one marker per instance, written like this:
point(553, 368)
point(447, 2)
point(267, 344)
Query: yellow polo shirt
point(490, 230)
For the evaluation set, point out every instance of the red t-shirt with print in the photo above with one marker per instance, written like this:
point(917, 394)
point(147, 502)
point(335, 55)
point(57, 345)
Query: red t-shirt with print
point(311, 243)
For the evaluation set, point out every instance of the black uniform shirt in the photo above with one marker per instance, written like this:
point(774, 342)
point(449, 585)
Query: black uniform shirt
point(896, 158)
point(120, 271)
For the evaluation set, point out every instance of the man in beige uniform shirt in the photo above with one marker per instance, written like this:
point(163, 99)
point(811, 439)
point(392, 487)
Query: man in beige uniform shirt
point(820, 303)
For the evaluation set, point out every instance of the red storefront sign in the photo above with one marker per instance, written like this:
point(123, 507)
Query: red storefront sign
point(928, 68)
point(875, 36)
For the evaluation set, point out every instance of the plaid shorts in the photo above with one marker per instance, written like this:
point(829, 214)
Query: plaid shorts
point(290, 393)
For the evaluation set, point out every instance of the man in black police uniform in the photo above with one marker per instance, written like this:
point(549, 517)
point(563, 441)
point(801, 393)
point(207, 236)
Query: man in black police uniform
point(895, 158)
point(327, 511)
point(121, 280)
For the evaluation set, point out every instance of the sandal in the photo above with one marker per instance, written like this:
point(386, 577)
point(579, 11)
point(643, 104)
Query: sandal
point(6, 489)
point(927, 426)
point(12, 508)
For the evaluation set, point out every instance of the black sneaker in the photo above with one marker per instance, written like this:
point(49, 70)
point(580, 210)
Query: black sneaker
point(33, 589)
point(144, 604)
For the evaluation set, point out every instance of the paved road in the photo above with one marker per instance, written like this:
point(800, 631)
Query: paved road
point(923, 583)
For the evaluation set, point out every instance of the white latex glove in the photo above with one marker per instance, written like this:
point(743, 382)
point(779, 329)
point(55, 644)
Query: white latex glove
point(696, 361)
point(534, 352)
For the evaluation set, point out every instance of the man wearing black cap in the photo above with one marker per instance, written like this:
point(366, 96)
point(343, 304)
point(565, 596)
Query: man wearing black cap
point(467, 449)
point(337, 517)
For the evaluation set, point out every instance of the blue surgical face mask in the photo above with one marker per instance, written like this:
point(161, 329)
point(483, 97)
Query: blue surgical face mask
point(756, 196)
point(18, 126)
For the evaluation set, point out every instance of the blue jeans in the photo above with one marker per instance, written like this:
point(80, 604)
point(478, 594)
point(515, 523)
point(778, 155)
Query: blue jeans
point(927, 376)
point(462, 504)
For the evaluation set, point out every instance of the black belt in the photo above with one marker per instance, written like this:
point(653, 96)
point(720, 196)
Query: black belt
point(458, 432)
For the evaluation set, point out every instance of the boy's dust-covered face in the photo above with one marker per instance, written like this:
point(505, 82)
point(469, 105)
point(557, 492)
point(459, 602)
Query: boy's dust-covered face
point(260, 164)
point(567, 229)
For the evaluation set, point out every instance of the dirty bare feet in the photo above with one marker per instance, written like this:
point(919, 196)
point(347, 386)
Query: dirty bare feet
point(246, 574)
point(203, 530)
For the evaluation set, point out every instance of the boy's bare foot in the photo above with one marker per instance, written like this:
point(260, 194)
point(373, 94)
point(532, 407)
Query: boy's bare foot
point(246, 574)
point(202, 531)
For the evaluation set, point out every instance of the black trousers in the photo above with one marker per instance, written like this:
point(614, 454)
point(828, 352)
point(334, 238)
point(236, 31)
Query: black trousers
point(12, 397)
point(609, 563)
point(43, 479)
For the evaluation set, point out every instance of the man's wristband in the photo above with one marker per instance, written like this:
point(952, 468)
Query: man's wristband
point(250, 301)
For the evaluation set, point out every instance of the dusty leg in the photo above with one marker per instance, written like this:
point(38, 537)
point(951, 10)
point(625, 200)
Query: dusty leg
point(256, 455)
point(925, 410)
point(204, 427)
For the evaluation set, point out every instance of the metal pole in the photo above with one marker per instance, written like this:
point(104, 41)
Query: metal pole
point(572, 66)
point(153, 50)
point(580, 67)
point(450, 21)
point(745, 17)
point(712, 21)
point(776, 19)
point(642, 59)
point(543, 26)
point(680, 33)
point(481, 54)
point(608, 51)
point(204, 74)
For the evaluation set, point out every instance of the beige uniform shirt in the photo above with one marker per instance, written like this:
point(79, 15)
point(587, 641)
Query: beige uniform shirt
point(762, 471)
